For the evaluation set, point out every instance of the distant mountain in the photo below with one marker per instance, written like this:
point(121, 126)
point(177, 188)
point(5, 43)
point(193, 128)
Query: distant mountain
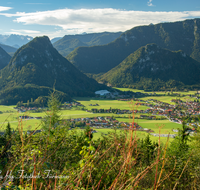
point(35, 68)
point(15, 40)
point(8, 49)
point(151, 67)
point(103, 39)
point(65, 47)
point(175, 36)
point(16, 46)
point(55, 39)
point(4, 58)
point(69, 42)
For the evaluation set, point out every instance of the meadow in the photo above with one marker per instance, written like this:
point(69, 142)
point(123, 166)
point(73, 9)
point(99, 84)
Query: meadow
point(9, 114)
point(158, 92)
point(107, 104)
point(164, 96)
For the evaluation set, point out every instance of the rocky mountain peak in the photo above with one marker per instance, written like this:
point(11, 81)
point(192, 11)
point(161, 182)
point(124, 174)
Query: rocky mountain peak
point(39, 51)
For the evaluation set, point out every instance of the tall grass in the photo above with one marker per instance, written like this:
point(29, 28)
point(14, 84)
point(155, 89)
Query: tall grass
point(59, 159)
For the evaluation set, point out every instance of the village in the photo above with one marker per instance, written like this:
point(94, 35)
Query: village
point(173, 112)
point(157, 110)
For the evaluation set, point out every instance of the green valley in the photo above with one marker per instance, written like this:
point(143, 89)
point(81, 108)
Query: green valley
point(11, 115)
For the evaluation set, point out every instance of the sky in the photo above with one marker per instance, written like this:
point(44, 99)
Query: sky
point(62, 17)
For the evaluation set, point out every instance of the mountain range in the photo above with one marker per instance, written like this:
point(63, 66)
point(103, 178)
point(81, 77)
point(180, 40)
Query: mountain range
point(68, 43)
point(154, 57)
point(153, 68)
point(4, 58)
point(36, 68)
point(15, 40)
point(182, 35)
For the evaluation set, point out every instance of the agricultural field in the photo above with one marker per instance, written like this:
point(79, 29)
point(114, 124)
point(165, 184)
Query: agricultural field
point(138, 134)
point(164, 96)
point(167, 99)
point(9, 114)
point(165, 125)
point(107, 104)
point(158, 92)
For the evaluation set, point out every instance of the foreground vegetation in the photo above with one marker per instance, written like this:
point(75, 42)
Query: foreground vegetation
point(59, 158)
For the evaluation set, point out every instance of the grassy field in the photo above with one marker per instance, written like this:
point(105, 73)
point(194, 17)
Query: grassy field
point(157, 92)
point(166, 125)
point(167, 99)
point(107, 104)
point(163, 96)
point(9, 114)
point(7, 108)
point(139, 135)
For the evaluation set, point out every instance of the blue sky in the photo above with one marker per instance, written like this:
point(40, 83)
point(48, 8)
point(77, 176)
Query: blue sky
point(61, 17)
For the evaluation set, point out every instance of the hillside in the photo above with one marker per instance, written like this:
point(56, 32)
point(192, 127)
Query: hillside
point(175, 36)
point(8, 49)
point(69, 42)
point(4, 58)
point(66, 46)
point(39, 65)
point(152, 67)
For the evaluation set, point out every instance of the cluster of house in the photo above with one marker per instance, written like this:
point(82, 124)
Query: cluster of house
point(29, 117)
point(109, 122)
point(24, 109)
point(189, 107)
point(94, 105)
point(173, 112)
point(176, 112)
point(104, 122)
point(66, 105)
point(69, 105)
point(116, 111)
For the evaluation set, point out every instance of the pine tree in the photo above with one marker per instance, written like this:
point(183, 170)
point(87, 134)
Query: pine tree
point(148, 149)
point(8, 132)
point(53, 118)
point(183, 136)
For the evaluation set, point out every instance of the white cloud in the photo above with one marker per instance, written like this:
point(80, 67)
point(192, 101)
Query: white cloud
point(149, 3)
point(5, 8)
point(24, 32)
point(74, 21)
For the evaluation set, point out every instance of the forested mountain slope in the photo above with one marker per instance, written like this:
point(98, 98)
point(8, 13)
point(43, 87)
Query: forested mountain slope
point(183, 35)
point(4, 58)
point(69, 42)
point(37, 66)
point(152, 67)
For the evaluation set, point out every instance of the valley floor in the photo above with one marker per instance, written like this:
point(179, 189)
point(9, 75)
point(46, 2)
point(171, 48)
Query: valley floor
point(158, 123)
